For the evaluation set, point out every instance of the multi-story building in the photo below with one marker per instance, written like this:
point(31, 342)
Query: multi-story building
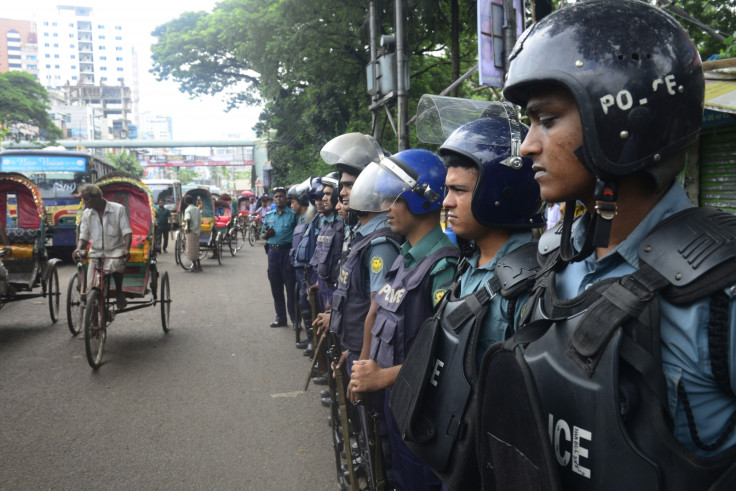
point(18, 48)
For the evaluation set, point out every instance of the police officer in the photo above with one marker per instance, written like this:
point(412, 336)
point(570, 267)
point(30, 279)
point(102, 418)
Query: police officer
point(302, 249)
point(278, 229)
point(630, 344)
point(493, 201)
point(410, 186)
point(372, 251)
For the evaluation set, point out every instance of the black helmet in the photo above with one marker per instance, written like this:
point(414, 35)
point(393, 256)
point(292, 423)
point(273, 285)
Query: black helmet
point(635, 74)
point(506, 194)
point(352, 152)
point(300, 191)
point(333, 180)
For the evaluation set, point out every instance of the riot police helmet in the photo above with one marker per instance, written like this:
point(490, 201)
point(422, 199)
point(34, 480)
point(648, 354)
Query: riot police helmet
point(300, 192)
point(635, 75)
point(332, 180)
point(316, 190)
point(416, 175)
point(352, 152)
point(505, 194)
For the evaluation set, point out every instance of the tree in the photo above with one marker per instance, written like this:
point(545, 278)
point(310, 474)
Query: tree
point(125, 162)
point(185, 175)
point(24, 101)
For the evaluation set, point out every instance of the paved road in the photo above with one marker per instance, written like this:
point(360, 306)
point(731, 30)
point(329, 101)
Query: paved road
point(217, 403)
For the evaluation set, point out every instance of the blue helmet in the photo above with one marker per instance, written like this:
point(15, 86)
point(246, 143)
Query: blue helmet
point(315, 192)
point(416, 175)
point(506, 194)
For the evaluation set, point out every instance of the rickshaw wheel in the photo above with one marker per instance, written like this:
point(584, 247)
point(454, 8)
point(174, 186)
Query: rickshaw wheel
point(181, 254)
point(165, 300)
point(74, 307)
point(239, 237)
point(94, 330)
point(52, 290)
point(178, 246)
point(230, 245)
point(218, 249)
point(252, 235)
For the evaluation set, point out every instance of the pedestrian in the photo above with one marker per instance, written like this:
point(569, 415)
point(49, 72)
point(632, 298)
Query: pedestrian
point(163, 226)
point(106, 228)
point(193, 227)
point(629, 342)
point(409, 186)
point(278, 229)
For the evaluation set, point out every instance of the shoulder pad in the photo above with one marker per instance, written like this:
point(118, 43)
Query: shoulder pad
point(550, 240)
point(517, 270)
point(695, 251)
point(386, 239)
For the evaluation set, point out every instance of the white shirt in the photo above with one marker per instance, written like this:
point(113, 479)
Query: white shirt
point(105, 237)
point(192, 214)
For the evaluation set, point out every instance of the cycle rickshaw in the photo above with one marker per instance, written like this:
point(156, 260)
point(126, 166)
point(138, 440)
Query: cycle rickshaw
point(28, 265)
point(227, 225)
point(91, 302)
point(209, 241)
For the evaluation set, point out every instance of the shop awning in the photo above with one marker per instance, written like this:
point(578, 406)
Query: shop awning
point(720, 95)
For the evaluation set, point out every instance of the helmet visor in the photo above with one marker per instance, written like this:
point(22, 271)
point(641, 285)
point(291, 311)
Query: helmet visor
point(439, 116)
point(379, 186)
point(335, 150)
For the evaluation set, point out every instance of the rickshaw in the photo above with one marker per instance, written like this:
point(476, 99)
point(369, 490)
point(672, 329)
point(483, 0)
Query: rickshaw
point(91, 303)
point(28, 265)
point(208, 239)
point(224, 221)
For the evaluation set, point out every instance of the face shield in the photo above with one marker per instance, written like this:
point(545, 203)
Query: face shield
point(381, 183)
point(354, 150)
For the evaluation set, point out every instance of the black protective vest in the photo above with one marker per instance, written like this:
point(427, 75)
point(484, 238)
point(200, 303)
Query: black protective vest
point(299, 234)
point(351, 300)
point(583, 406)
point(406, 295)
point(433, 399)
point(326, 258)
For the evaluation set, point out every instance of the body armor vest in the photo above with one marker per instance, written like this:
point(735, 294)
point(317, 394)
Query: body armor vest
point(326, 258)
point(433, 399)
point(584, 405)
point(406, 295)
point(351, 300)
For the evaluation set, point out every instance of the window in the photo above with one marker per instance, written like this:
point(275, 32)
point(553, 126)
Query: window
point(56, 66)
point(56, 56)
point(74, 77)
point(48, 66)
point(71, 46)
point(47, 55)
point(118, 28)
point(32, 67)
point(56, 34)
point(118, 48)
point(118, 38)
point(74, 67)
point(46, 45)
point(103, 79)
point(101, 48)
point(45, 23)
point(103, 68)
point(120, 69)
point(46, 34)
point(54, 24)
point(71, 36)
point(119, 58)
point(56, 45)
point(31, 57)
point(100, 26)
point(103, 58)
point(13, 57)
point(73, 57)
point(101, 36)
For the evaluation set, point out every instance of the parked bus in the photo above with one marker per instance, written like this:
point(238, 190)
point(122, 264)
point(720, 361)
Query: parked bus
point(168, 190)
point(57, 173)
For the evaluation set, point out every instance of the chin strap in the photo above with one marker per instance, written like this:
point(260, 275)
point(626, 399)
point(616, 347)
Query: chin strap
point(598, 224)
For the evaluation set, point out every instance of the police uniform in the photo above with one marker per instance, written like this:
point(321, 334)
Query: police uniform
point(415, 284)
point(372, 252)
point(280, 269)
point(302, 251)
point(497, 324)
point(326, 258)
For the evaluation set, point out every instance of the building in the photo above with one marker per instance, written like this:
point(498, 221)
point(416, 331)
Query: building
point(18, 46)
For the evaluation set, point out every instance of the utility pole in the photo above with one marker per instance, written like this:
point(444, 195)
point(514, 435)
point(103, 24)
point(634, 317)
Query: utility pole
point(372, 32)
point(402, 70)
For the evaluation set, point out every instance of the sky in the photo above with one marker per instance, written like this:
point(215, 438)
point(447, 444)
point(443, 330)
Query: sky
point(201, 118)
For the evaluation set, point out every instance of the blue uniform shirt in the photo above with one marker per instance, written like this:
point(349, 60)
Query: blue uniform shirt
point(684, 330)
point(495, 323)
point(379, 257)
point(283, 224)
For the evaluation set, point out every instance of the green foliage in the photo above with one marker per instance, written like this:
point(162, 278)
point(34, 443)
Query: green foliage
point(186, 175)
point(23, 100)
point(730, 48)
point(720, 16)
point(125, 162)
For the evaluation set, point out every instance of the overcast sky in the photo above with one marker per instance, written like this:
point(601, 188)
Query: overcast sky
point(203, 118)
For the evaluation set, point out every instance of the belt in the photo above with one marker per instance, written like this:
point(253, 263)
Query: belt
point(278, 247)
